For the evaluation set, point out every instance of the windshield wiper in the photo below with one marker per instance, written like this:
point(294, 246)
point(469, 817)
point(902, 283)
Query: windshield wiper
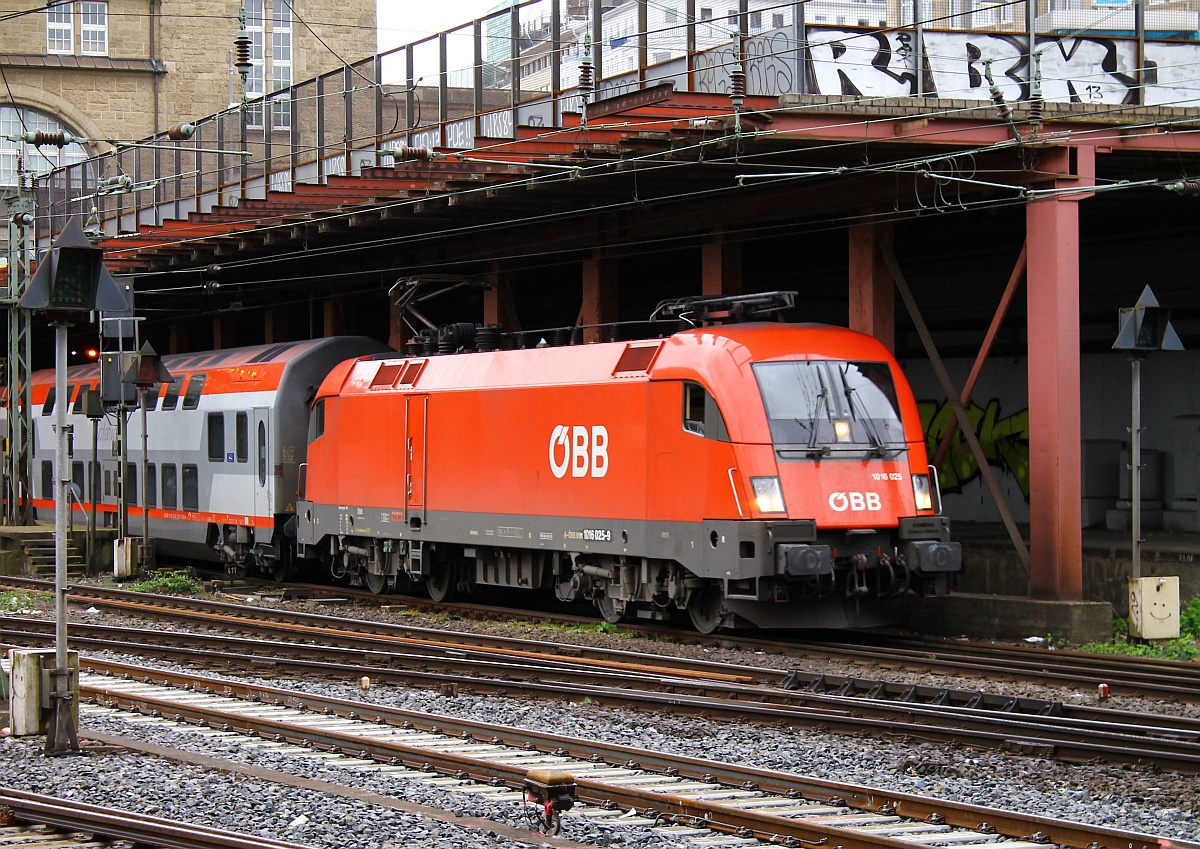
point(859, 412)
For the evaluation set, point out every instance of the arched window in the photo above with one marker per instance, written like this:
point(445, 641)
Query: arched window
point(15, 120)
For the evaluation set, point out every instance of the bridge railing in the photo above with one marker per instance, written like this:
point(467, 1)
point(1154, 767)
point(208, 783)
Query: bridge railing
point(472, 86)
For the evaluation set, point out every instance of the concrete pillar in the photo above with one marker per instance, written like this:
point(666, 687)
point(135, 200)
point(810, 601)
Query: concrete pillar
point(721, 266)
point(599, 296)
point(1055, 522)
point(872, 289)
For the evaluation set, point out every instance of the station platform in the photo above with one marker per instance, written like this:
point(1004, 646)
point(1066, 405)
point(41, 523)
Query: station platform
point(991, 597)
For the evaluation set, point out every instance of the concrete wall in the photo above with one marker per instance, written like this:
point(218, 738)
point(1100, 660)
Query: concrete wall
point(1000, 409)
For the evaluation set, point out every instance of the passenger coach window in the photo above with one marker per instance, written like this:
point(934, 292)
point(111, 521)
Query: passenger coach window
point(262, 454)
point(151, 486)
point(131, 483)
point(701, 415)
point(78, 407)
point(191, 487)
point(48, 404)
point(170, 486)
point(216, 437)
point(47, 479)
point(77, 478)
point(172, 397)
point(191, 398)
point(242, 437)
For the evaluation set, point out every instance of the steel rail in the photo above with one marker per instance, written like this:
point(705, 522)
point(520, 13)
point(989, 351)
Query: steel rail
point(1124, 675)
point(711, 812)
point(121, 825)
point(1062, 738)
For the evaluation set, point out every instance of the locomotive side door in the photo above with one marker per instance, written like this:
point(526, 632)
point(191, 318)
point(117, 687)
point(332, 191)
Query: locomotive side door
point(264, 478)
point(415, 431)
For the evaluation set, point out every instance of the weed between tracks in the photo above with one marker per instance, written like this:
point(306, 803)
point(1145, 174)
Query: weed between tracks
point(168, 583)
point(17, 600)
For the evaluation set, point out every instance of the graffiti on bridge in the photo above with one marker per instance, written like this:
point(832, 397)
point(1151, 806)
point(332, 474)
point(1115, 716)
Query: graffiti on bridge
point(1005, 443)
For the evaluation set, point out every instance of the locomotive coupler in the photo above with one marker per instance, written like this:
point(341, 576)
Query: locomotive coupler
point(547, 794)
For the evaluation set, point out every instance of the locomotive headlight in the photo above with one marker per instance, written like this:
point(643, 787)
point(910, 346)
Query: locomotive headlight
point(841, 430)
point(923, 492)
point(768, 495)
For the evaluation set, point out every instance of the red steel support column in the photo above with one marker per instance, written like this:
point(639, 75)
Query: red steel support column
point(498, 306)
point(872, 289)
point(275, 325)
point(599, 296)
point(1055, 520)
point(721, 266)
point(334, 318)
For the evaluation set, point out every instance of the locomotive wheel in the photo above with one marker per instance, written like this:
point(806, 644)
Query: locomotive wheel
point(608, 610)
point(376, 584)
point(440, 582)
point(704, 609)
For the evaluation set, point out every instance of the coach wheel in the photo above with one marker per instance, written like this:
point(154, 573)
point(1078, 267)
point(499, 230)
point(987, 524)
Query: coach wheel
point(374, 582)
point(610, 609)
point(704, 608)
point(440, 582)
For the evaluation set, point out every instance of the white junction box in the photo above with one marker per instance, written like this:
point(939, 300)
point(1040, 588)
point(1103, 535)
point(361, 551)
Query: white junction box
point(1154, 607)
point(30, 686)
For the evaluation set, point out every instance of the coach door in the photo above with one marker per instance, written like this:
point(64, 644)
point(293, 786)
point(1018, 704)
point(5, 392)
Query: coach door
point(264, 480)
point(415, 431)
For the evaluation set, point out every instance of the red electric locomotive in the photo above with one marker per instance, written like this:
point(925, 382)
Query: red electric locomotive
point(764, 473)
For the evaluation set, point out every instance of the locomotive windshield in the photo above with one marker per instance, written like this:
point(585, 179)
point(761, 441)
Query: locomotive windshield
point(820, 407)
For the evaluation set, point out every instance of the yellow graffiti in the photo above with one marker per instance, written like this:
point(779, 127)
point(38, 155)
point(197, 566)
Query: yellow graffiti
point(1005, 443)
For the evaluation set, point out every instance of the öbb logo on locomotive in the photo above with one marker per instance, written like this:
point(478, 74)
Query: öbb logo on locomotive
point(855, 501)
point(583, 450)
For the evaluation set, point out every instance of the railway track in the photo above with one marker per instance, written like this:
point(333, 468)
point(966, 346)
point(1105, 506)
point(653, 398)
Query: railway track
point(1028, 726)
point(35, 821)
point(686, 797)
point(1122, 675)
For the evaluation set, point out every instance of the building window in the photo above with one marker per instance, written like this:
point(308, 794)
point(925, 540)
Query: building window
point(776, 20)
point(60, 32)
point(672, 15)
point(756, 20)
point(15, 120)
point(705, 14)
point(93, 31)
point(278, 29)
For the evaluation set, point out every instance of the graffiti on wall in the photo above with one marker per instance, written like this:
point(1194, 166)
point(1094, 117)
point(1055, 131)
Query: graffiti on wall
point(855, 63)
point(1005, 443)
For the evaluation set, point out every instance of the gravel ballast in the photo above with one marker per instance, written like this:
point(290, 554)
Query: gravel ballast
point(1135, 799)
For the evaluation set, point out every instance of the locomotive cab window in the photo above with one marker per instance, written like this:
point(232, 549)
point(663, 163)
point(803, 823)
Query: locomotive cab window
point(191, 396)
point(820, 407)
point(216, 437)
point(701, 414)
point(316, 422)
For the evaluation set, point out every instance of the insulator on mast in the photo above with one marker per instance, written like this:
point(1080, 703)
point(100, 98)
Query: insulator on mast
point(1036, 102)
point(241, 49)
point(1002, 107)
point(1186, 188)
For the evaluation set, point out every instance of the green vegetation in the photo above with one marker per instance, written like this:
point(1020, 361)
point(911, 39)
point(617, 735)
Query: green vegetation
point(1184, 647)
point(166, 582)
point(18, 600)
